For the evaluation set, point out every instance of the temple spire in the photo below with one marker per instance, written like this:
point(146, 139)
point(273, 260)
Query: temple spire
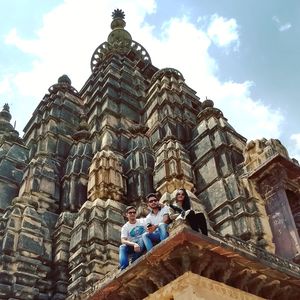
point(7, 131)
point(120, 39)
point(5, 114)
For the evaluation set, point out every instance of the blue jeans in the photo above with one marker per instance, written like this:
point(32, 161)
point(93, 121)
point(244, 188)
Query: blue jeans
point(158, 235)
point(125, 251)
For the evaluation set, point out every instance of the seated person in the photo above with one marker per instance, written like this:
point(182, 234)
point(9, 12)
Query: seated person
point(182, 210)
point(131, 238)
point(157, 222)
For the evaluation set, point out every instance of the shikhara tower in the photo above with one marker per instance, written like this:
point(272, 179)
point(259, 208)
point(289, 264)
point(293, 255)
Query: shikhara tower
point(134, 129)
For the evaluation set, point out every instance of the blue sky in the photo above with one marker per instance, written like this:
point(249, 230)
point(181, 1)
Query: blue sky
point(244, 55)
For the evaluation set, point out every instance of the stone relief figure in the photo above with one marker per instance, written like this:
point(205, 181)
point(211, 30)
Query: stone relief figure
point(182, 210)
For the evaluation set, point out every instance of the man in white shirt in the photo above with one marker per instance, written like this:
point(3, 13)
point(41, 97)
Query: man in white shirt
point(131, 238)
point(157, 222)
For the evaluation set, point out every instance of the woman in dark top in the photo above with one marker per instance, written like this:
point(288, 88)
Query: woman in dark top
point(183, 210)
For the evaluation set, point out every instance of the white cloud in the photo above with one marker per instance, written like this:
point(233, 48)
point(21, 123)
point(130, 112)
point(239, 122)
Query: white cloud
point(296, 138)
point(252, 118)
point(67, 39)
point(5, 86)
point(64, 45)
point(223, 32)
point(285, 27)
point(275, 19)
point(186, 48)
point(281, 27)
point(295, 148)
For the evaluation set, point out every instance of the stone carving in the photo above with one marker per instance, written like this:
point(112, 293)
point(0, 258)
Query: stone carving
point(176, 75)
point(119, 40)
point(258, 151)
point(63, 84)
point(106, 180)
point(222, 260)
point(13, 160)
point(94, 243)
point(61, 245)
point(26, 249)
point(7, 131)
point(172, 168)
point(138, 167)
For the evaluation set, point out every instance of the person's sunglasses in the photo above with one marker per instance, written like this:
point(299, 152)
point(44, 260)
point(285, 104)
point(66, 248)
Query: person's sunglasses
point(151, 201)
point(131, 212)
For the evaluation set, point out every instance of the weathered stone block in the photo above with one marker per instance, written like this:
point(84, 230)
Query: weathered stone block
point(77, 237)
point(207, 173)
point(30, 243)
point(26, 279)
point(8, 192)
point(232, 187)
point(27, 265)
point(30, 225)
point(24, 292)
point(218, 139)
point(214, 195)
point(114, 216)
point(6, 277)
point(5, 291)
point(199, 130)
point(113, 232)
point(50, 219)
point(95, 231)
point(9, 242)
point(200, 149)
point(212, 122)
point(224, 165)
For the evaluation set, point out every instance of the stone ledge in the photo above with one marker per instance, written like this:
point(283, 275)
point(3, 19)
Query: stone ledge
point(214, 258)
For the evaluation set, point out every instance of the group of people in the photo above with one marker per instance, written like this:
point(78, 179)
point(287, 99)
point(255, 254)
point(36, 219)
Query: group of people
point(138, 235)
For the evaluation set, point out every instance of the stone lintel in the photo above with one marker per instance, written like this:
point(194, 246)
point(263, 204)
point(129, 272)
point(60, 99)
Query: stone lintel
point(233, 263)
point(193, 287)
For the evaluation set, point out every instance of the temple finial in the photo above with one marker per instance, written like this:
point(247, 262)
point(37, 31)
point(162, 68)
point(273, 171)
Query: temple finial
point(118, 13)
point(64, 79)
point(6, 107)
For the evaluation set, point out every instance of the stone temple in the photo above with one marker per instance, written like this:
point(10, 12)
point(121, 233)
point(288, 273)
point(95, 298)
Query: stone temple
point(134, 129)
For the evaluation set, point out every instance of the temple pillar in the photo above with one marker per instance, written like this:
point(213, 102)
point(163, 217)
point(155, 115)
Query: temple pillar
point(285, 232)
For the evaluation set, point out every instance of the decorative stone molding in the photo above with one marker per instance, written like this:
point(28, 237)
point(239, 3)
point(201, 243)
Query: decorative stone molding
point(26, 251)
point(172, 168)
point(233, 263)
point(106, 179)
point(258, 152)
point(64, 85)
point(120, 41)
point(94, 242)
point(170, 72)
